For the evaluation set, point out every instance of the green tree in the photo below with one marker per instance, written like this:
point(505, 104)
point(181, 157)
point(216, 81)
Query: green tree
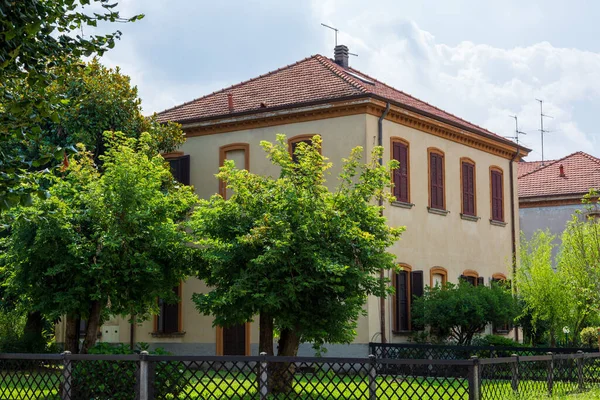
point(288, 249)
point(540, 286)
point(42, 42)
point(101, 244)
point(459, 312)
point(578, 262)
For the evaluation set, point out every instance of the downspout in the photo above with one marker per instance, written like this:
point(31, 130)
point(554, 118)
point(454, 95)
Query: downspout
point(513, 232)
point(381, 273)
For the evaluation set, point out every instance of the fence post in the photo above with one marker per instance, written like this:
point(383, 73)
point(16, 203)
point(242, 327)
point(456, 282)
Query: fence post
point(144, 376)
point(580, 380)
point(263, 381)
point(66, 376)
point(474, 379)
point(514, 382)
point(550, 373)
point(372, 377)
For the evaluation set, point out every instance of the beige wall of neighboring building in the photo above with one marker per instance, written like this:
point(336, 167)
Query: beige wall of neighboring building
point(431, 240)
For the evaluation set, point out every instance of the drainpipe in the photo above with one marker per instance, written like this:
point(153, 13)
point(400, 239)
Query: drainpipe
point(513, 232)
point(381, 273)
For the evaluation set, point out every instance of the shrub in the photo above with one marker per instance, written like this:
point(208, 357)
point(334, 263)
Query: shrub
point(11, 331)
point(496, 340)
point(117, 380)
point(589, 336)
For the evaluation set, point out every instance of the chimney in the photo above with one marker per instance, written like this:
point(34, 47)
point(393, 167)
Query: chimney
point(230, 101)
point(340, 53)
point(561, 170)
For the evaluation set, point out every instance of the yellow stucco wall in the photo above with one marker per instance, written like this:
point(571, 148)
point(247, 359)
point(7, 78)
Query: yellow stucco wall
point(430, 240)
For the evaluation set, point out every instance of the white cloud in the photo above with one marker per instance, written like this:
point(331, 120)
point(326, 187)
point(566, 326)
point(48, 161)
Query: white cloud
point(482, 83)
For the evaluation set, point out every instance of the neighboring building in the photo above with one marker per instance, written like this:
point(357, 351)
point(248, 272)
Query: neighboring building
point(550, 192)
point(455, 190)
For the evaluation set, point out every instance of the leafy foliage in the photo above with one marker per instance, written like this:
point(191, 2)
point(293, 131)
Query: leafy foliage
point(290, 248)
point(589, 336)
point(95, 379)
point(42, 42)
point(110, 241)
point(460, 311)
point(541, 288)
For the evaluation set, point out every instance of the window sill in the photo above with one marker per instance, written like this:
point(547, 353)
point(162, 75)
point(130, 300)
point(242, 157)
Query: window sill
point(498, 223)
point(402, 333)
point(467, 217)
point(402, 204)
point(437, 211)
point(167, 335)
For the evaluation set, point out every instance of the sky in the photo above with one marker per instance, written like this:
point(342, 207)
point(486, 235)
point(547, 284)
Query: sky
point(483, 61)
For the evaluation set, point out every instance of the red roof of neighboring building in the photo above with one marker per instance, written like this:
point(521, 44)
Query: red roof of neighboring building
point(581, 173)
point(315, 78)
point(526, 167)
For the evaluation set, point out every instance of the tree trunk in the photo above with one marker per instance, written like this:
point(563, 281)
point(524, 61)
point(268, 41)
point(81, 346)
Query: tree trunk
point(552, 338)
point(71, 328)
point(34, 333)
point(282, 378)
point(93, 324)
point(265, 344)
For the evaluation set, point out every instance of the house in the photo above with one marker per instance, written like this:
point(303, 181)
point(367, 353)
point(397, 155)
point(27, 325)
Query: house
point(550, 192)
point(456, 190)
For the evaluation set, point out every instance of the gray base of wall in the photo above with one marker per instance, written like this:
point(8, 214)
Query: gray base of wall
point(305, 350)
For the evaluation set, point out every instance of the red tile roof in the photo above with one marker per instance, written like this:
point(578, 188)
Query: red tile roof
point(315, 78)
point(581, 170)
point(526, 167)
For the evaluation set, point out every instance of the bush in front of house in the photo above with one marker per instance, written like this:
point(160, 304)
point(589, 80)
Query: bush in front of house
point(117, 380)
point(589, 336)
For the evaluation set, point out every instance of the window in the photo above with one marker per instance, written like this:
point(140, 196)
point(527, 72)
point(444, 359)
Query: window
point(497, 194)
point(240, 154)
point(408, 284)
point(294, 141)
point(500, 279)
point(438, 276)
point(180, 168)
point(169, 318)
point(467, 179)
point(472, 277)
point(436, 179)
point(401, 175)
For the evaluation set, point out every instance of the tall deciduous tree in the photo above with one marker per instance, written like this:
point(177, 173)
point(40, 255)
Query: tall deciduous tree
point(101, 243)
point(540, 286)
point(42, 42)
point(460, 311)
point(302, 257)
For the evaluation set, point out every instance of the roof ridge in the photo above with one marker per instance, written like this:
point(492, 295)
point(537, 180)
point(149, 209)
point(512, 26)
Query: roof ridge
point(552, 163)
point(422, 101)
point(334, 68)
point(591, 157)
point(240, 83)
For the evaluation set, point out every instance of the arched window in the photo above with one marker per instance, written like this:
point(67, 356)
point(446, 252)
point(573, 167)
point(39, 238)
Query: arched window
point(438, 276)
point(437, 179)
point(472, 277)
point(407, 284)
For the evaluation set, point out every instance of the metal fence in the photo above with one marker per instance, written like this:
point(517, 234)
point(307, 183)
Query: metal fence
point(143, 376)
point(450, 352)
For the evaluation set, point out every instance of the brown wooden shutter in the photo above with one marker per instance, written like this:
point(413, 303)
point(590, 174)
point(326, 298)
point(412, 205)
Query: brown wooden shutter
point(234, 340)
point(180, 168)
point(416, 281)
point(497, 198)
point(468, 188)
point(437, 181)
point(480, 281)
point(402, 301)
point(400, 152)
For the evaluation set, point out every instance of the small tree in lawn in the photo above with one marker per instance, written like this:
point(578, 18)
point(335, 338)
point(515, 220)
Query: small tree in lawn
point(288, 249)
point(101, 244)
point(461, 311)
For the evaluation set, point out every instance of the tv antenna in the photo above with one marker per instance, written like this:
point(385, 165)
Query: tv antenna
point(517, 131)
point(333, 29)
point(336, 30)
point(542, 130)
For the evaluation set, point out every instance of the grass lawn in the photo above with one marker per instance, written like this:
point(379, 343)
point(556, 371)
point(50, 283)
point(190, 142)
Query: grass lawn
point(202, 385)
